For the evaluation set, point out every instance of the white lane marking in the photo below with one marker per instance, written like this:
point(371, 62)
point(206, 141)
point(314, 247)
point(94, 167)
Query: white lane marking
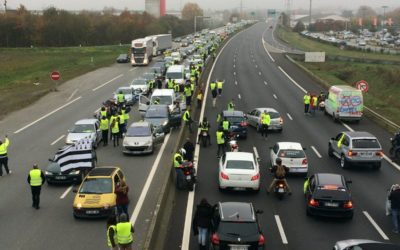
point(263, 42)
point(104, 84)
point(259, 72)
point(265, 83)
point(132, 69)
point(66, 192)
point(236, 83)
point(291, 79)
point(146, 186)
point(190, 202)
point(57, 140)
point(97, 110)
point(316, 152)
point(73, 93)
point(290, 117)
point(380, 231)
point(47, 115)
point(234, 66)
point(275, 96)
point(239, 96)
point(234, 73)
point(347, 126)
point(256, 66)
point(256, 153)
point(280, 228)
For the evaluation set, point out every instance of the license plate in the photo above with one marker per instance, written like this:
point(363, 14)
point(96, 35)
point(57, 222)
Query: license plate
point(239, 247)
point(281, 190)
point(239, 188)
point(366, 154)
point(61, 177)
point(331, 204)
point(92, 211)
point(188, 177)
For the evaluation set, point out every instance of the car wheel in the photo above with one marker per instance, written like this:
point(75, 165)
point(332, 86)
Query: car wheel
point(330, 150)
point(280, 130)
point(308, 212)
point(343, 162)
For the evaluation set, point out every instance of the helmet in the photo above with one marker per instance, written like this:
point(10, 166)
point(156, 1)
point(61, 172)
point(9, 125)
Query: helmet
point(182, 151)
point(278, 161)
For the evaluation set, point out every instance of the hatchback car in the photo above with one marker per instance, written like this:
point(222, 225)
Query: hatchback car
point(356, 148)
point(254, 119)
point(361, 244)
point(239, 171)
point(95, 196)
point(328, 195)
point(86, 128)
point(161, 118)
point(141, 138)
point(123, 58)
point(237, 121)
point(292, 155)
point(235, 226)
point(128, 95)
point(139, 87)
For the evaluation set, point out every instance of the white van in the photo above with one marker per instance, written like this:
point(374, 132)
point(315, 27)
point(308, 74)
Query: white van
point(177, 73)
point(176, 56)
point(165, 97)
point(344, 103)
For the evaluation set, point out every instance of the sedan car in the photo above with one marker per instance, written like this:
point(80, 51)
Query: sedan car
point(356, 148)
point(140, 138)
point(237, 121)
point(139, 87)
point(128, 95)
point(235, 226)
point(239, 171)
point(328, 195)
point(292, 155)
point(123, 58)
point(254, 119)
point(161, 118)
point(361, 244)
point(86, 128)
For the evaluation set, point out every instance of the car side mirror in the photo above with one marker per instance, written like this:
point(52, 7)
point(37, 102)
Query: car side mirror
point(258, 211)
point(75, 190)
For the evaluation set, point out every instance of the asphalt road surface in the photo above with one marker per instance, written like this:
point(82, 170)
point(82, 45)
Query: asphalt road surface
point(255, 79)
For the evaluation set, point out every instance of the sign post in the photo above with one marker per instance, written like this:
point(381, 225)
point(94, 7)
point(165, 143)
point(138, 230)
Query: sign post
point(362, 85)
point(55, 76)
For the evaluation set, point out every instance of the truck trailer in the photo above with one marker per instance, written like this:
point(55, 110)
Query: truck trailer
point(161, 43)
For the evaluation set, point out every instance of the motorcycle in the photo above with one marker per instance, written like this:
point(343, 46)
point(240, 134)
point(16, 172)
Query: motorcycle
point(204, 138)
point(233, 145)
point(394, 150)
point(189, 174)
point(280, 189)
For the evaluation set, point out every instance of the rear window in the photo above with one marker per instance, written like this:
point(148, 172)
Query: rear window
point(274, 115)
point(290, 153)
point(235, 164)
point(235, 119)
point(366, 143)
point(238, 229)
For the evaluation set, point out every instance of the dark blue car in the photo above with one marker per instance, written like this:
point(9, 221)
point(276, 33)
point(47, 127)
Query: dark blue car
point(238, 122)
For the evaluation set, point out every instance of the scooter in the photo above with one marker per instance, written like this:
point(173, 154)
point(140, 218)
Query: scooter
point(233, 145)
point(189, 173)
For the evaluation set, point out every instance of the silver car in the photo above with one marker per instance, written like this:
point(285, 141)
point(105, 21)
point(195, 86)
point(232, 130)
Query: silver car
point(356, 148)
point(360, 244)
point(86, 128)
point(141, 138)
point(254, 117)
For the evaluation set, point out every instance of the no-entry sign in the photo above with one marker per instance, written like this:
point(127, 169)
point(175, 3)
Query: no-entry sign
point(55, 75)
point(362, 85)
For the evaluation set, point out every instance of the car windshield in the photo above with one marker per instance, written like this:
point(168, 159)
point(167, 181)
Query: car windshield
point(239, 164)
point(163, 100)
point(291, 153)
point(156, 69)
point(141, 131)
point(235, 119)
point(238, 229)
point(274, 115)
point(138, 50)
point(83, 128)
point(174, 75)
point(156, 113)
point(139, 82)
point(365, 143)
point(125, 91)
point(96, 186)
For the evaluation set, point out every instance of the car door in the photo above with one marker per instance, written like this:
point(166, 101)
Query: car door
point(251, 118)
point(274, 154)
point(98, 132)
point(335, 142)
point(257, 117)
point(144, 103)
point(345, 147)
point(174, 119)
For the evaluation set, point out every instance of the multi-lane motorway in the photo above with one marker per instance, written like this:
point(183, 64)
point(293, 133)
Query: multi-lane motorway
point(255, 78)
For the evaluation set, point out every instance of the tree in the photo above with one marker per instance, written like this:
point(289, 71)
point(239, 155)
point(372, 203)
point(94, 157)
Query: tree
point(190, 10)
point(299, 27)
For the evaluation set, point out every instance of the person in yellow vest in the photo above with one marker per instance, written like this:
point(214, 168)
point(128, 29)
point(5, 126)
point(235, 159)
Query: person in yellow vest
point(231, 106)
point(225, 127)
point(214, 92)
point(113, 117)
point(188, 120)
point(125, 112)
point(199, 98)
point(188, 95)
point(104, 127)
point(219, 86)
point(170, 83)
point(120, 99)
point(220, 142)
point(339, 143)
point(177, 88)
point(265, 121)
point(3, 156)
point(36, 179)
point(313, 104)
point(115, 131)
point(306, 99)
point(112, 239)
point(103, 112)
point(124, 233)
point(178, 160)
point(121, 124)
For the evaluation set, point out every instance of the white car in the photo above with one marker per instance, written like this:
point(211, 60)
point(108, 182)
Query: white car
point(139, 87)
point(176, 57)
point(128, 94)
point(292, 155)
point(254, 119)
point(240, 171)
point(140, 138)
point(86, 128)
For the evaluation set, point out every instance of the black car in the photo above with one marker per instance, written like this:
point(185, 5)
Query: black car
point(236, 223)
point(328, 195)
point(238, 122)
point(162, 66)
point(161, 118)
point(123, 58)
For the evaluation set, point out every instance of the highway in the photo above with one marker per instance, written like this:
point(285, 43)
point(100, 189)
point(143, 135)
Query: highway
point(255, 78)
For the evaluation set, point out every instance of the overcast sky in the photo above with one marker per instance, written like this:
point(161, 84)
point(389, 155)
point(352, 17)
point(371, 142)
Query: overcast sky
point(205, 4)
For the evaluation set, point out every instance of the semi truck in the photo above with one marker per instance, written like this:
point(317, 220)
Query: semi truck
point(142, 51)
point(161, 43)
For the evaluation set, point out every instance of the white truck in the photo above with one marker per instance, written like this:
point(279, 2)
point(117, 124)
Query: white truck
point(142, 51)
point(161, 43)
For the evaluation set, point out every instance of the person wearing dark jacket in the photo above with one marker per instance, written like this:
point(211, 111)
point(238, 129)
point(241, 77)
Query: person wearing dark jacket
point(36, 179)
point(394, 198)
point(122, 200)
point(202, 222)
point(279, 172)
point(189, 147)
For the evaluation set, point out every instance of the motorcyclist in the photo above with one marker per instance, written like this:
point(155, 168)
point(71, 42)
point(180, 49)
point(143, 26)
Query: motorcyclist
point(279, 172)
point(178, 160)
point(204, 127)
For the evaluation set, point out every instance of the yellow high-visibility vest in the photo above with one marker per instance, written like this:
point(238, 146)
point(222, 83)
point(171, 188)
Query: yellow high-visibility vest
point(36, 178)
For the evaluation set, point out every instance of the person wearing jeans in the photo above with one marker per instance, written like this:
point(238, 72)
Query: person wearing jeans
point(122, 197)
point(202, 222)
point(394, 198)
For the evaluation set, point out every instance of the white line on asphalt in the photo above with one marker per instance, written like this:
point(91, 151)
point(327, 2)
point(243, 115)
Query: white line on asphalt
point(234, 73)
point(146, 186)
point(234, 66)
point(239, 96)
point(316, 152)
point(291, 79)
point(47, 115)
point(263, 42)
point(380, 231)
point(259, 72)
point(236, 83)
point(97, 110)
point(256, 153)
point(73, 93)
point(66, 192)
point(190, 201)
point(290, 117)
point(104, 84)
point(132, 69)
point(58, 139)
point(347, 126)
point(275, 96)
point(265, 83)
point(280, 228)
point(256, 66)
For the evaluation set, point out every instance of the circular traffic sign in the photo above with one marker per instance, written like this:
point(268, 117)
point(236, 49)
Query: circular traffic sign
point(362, 85)
point(55, 75)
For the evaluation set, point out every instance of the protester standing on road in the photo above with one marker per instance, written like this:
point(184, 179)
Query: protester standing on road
point(104, 127)
point(189, 148)
point(124, 233)
point(214, 92)
point(394, 198)
point(306, 100)
point(220, 141)
point(199, 98)
point(178, 160)
point(3, 155)
point(231, 106)
point(122, 197)
point(202, 222)
point(112, 233)
point(115, 131)
point(114, 117)
point(121, 124)
point(225, 127)
point(188, 120)
point(188, 95)
point(36, 179)
point(265, 121)
point(219, 86)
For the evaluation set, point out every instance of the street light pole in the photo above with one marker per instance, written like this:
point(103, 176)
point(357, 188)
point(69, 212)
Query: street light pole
point(384, 17)
point(309, 21)
point(195, 22)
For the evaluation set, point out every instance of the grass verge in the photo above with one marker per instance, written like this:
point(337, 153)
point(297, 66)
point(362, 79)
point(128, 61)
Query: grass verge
point(21, 68)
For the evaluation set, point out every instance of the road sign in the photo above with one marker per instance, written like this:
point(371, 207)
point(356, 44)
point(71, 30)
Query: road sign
point(362, 85)
point(55, 75)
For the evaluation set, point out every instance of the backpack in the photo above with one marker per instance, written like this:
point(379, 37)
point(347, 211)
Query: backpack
point(280, 171)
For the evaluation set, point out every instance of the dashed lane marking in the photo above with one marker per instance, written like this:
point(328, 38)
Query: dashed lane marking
point(265, 83)
point(375, 225)
point(104, 84)
point(275, 96)
point(316, 152)
point(290, 117)
point(239, 96)
point(280, 228)
point(236, 83)
point(259, 72)
point(57, 140)
point(66, 192)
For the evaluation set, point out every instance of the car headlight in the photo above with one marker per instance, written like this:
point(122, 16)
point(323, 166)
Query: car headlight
point(75, 172)
point(48, 173)
point(149, 143)
point(106, 206)
point(79, 206)
point(69, 141)
point(165, 123)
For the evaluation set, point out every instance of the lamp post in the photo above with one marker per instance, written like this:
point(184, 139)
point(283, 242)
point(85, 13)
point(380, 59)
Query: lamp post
point(195, 21)
point(309, 21)
point(384, 17)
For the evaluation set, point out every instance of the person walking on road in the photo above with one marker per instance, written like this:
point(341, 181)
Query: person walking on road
point(214, 92)
point(220, 141)
point(202, 222)
point(104, 127)
point(189, 148)
point(36, 179)
point(188, 120)
point(394, 198)
point(219, 86)
point(3, 155)
point(225, 127)
point(188, 95)
point(265, 121)
point(199, 98)
point(124, 233)
point(112, 239)
point(313, 104)
point(122, 200)
point(306, 99)
point(121, 124)
point(231, 106)
point(115, 131)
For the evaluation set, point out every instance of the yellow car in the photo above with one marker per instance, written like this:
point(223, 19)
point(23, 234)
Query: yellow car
point(95, 196)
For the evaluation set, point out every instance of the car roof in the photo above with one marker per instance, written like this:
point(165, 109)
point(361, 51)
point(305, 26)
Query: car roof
point(239, 156)
point(102, 171)
point(233, 113)
point(268, 110)
point(329, 179)
point(367, 244)
point(140, 124)
point(175, 68)
point(86, 121)
point(290, 145)
point(158, 106)
point(160, 92)
point(362, 134)
point(236, 211)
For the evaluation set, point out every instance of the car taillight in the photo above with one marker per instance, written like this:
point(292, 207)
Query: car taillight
point(243, 124)
point(224, 176)
point(351, 153)
point(261, 240)
point(348, 204)
point(187, 172)
point(379, 153)
point(255, 177)
point(280, 121)
point(304, 162)
point(313, 203)
point(280, 185)
point(215, 239)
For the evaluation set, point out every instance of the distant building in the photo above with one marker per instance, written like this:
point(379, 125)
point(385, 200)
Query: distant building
point(155, 7)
